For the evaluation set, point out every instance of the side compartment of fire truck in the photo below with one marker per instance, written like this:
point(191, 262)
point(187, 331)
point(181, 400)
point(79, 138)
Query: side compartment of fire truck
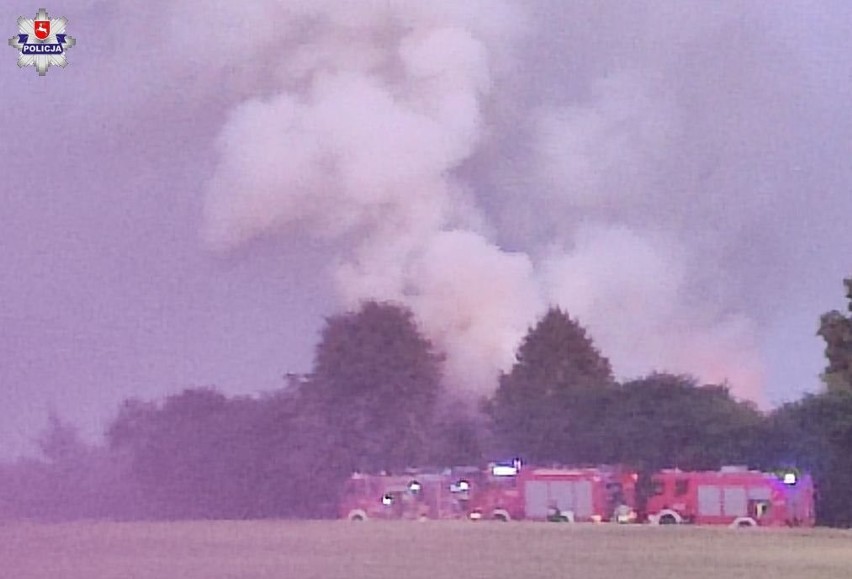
point(731, 496)
point(563, 494)
point(554, 494)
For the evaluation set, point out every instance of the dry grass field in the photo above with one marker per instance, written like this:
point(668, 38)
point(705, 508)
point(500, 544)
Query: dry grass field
point(326, 550)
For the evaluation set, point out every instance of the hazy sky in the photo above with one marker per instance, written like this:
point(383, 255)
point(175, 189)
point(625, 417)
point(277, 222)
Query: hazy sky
point(204, 182)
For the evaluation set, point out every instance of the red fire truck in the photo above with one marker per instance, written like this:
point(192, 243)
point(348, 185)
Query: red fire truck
point(555, 494)
point(505, 492)
point(413, 496)
point(731, 496)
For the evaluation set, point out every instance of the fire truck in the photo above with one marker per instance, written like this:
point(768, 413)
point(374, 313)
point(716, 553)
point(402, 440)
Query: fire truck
point(504, 492)
point(555, 494)
point(731, 496)
point(410, 496)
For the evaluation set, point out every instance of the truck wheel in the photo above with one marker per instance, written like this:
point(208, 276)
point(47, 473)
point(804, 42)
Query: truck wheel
point(743, 523)
point(357, 515)
point(669, 517)
point(501, 515)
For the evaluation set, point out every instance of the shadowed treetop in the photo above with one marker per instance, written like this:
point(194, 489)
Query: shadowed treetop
point(550, 406)
point(836, 330)
point(375, 383)
point(559, 353)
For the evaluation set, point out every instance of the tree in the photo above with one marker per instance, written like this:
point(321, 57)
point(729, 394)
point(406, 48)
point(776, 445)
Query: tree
point(199, 454)
point(667, 421)
point(375, 385)
point(815, 434)
point(836, 330)
point(73, 480)
point(551, 406)
point(460, 434)
point(60, 441)
point(175, 449)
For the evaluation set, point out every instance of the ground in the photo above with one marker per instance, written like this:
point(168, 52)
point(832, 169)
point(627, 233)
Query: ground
point(410, 550)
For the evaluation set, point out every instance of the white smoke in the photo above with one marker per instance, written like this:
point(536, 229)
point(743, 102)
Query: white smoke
point(608, 149)
point(631, 291)
point(362, 136)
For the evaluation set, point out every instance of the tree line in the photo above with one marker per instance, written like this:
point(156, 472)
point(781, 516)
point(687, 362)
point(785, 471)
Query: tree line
point(376, 401)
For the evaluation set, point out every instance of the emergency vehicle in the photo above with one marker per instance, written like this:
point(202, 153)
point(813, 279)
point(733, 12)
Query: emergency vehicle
point(555, 494)
point(505, 492)
point(413, 496)
point(731, 496)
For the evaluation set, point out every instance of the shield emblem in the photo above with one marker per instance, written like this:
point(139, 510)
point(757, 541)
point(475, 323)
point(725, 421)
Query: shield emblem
point(41, 29)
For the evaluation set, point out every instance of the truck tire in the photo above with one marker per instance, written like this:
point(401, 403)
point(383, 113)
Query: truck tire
point(357, 515)
point(669, 517)
point(743, 523)
point(501, 515)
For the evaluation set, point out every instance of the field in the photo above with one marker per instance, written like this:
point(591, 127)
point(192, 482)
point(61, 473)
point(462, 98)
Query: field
point(373, 550)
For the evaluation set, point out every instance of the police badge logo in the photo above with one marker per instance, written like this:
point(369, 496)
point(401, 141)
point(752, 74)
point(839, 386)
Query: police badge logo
point(41, 42)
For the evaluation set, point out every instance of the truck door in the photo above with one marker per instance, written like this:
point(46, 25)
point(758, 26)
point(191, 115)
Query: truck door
point(583, 501)
point(734, 501)
point(562, 495)
point(535, 499)
point(709, 501)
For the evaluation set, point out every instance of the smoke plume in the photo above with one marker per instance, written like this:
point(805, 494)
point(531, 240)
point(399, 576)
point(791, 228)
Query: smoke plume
point(674, 173)
point(449, 168)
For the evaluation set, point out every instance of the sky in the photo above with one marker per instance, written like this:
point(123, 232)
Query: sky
point(185, 202)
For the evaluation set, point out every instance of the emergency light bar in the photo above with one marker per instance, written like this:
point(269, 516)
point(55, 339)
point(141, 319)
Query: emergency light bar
point(503, 470)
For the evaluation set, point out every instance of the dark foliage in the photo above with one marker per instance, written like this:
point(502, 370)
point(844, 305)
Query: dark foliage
point(669, 421)
point(369, 405)
point(816, 434)
point(552, 405)
point(836, 330)
point(374, 402)
point(375, 386)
